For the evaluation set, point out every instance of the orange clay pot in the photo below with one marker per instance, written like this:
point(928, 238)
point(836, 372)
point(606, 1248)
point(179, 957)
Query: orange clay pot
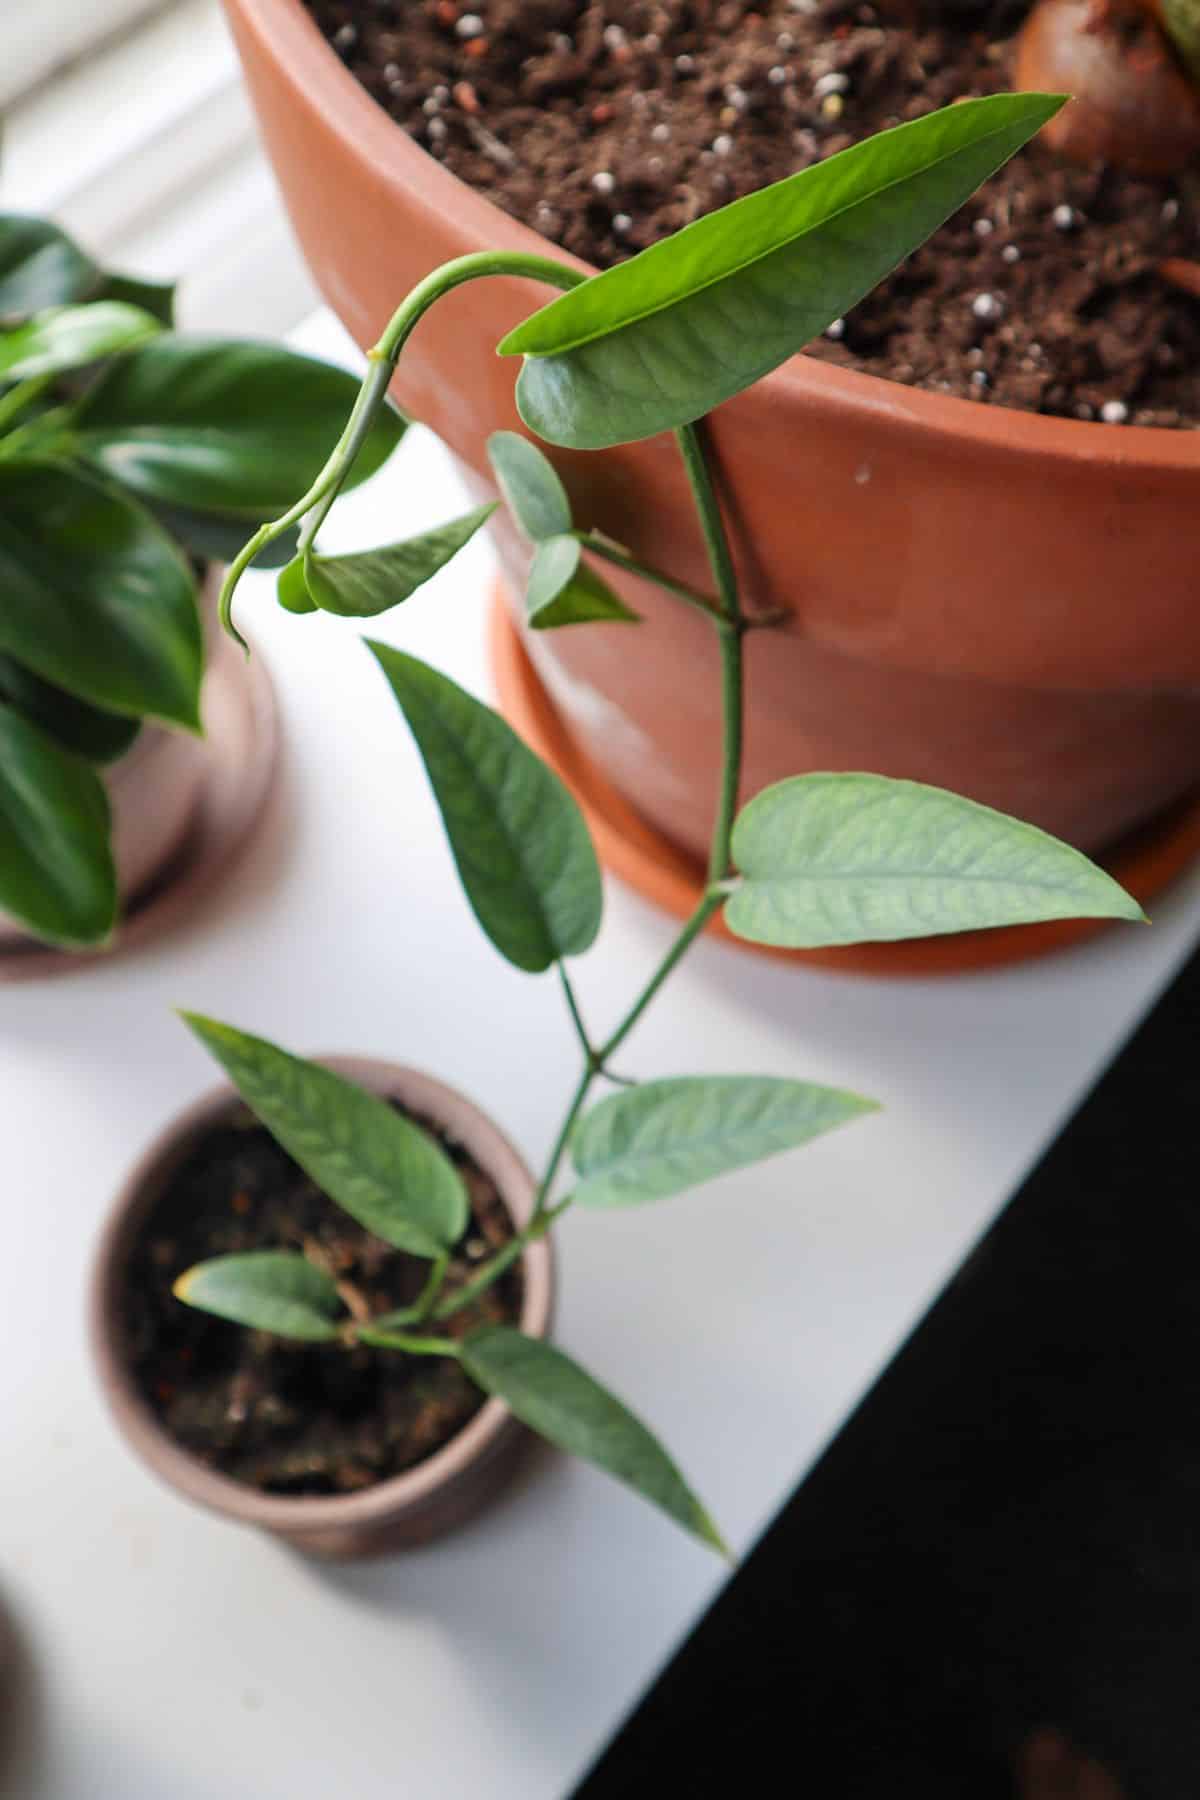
point(997, 602)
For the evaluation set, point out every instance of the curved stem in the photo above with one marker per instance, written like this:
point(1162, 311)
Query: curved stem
point(690, 932)
point(599, 546)
point(576, 1016)
point(382, 359)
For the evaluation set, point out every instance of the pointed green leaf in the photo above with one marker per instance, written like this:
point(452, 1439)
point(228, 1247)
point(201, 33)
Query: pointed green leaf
point(233, 428)
point(291, 588)
point(659, 340)
point(556, 1398)
point(851, 859)
point(530, 485)
point(267, 1290)
point(68, 337)
point(99, 736)
point(154, 297)
point(523, 852)
point(563, 590)
point(664, 1137)
point(369, 582)
point(40, 266)
point(56, 867)
point(377, 1165)
point(96, 597)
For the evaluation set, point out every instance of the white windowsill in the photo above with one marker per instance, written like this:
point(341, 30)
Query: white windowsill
point(146, 151)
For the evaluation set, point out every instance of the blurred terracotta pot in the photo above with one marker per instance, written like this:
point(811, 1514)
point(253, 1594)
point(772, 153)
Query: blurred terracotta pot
point(427, 1500)
point(994, 601)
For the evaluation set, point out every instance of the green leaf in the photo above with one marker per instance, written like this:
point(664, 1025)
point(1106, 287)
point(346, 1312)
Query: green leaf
point(96, 597)
point(375, 1164)
point(233, 428)
point(40, 266)
point(556, 1398)
point(530, 485)
point(68, 337)
point(523, 852)
point(217, 538)
point(268, 1290)
point(851, 859)
point(155, 297)
point(369, 582)
point(664, 1137)
point(659, 340)
point(75, 725)
point(291, 588)
point(563, 590)
point(56, 867)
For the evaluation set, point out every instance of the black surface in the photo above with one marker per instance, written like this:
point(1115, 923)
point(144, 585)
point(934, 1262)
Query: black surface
point(1003, 1544)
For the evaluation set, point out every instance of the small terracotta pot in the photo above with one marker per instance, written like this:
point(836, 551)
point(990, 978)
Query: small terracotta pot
point(154, 790)
point(997, 602)
point(424, 1502)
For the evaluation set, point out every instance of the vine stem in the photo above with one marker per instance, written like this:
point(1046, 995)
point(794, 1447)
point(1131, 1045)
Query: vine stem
point(382, 359)
point(599, 546)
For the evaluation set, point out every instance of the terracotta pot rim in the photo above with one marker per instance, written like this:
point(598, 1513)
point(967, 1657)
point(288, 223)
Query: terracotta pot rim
point(431, 189)
point(311, 1513)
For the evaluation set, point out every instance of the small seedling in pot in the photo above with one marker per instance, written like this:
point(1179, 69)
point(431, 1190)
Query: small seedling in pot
point(816, 860)
point(129, 454)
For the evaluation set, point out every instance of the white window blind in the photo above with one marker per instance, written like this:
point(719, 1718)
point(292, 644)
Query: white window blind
point(37, 37)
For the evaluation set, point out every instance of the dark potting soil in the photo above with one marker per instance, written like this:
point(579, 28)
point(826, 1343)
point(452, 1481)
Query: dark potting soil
point(285, 1417)
point(606, 126)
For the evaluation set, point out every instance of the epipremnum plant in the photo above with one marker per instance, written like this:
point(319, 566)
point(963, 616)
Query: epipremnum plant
point(819, 859)
point(128, 454)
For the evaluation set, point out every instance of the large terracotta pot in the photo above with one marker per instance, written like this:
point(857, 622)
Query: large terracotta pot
point(998, 602)
point(425, 1501)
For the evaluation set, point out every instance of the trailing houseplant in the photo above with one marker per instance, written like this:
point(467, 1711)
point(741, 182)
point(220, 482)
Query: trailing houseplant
point(130, 455)
point(813, 860)
point(956, 576)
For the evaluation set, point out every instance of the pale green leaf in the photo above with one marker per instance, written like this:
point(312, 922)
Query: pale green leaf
point(557, 1399)
point(368, 582)
point(377, 1165)
point(563, 590)
point(523, 852)
point(849, 859)
point(531, 486)
point(266, 1290)
point(664, 1137)
point(658, 341)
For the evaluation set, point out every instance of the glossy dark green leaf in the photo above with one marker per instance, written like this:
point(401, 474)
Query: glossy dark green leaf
point(291, 588)
point(530, 485)
point(369, 582)
point(377, 1165)
point(267, 1290)
point(68, 337)
point(523, 852)
point(215, 538)
point(851, 859)
point(155, 297)
point(90, 732)
point(239, 429)
point(40, 266)
point(557, 1399)
point(563, 590)
point(56, 867)
point(660, 340)
point(96, 598)
point(664, 1137)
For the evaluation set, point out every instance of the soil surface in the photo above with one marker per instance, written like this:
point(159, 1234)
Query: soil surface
point(285, 1417)
point(606, 126)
